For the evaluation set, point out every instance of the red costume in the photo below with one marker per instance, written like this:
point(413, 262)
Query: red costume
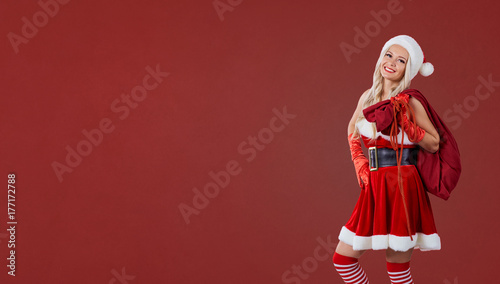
point(382, 218)
point(393, 209)
point(440, 172)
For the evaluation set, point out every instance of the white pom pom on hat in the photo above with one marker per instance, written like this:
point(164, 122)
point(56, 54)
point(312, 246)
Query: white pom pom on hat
point(417, 59)
point(427, 69)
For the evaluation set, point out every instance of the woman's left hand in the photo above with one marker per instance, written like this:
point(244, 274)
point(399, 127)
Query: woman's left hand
point(422, 130)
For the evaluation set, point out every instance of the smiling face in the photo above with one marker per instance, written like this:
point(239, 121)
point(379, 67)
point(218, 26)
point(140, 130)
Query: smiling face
point(393, 64)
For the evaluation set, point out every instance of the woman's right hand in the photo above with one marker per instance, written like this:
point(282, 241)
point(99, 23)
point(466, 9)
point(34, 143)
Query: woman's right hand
point(360, 161)
point(358, 158)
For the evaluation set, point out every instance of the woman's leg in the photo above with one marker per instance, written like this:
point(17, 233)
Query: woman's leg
point(345, 249)
point(398, 256)
point(346, 263)
point(398, 266)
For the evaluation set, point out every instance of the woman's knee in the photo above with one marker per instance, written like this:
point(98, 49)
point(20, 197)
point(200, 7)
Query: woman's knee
point(347, 250)
point(398, 256)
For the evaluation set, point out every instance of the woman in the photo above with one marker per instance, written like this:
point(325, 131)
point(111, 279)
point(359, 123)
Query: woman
point(393, 211)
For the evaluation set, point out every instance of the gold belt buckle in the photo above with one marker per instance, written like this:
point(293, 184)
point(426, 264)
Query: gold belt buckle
point(373, 158)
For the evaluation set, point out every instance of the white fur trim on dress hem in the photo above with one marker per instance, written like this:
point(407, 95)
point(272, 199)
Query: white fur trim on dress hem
point(378, 242)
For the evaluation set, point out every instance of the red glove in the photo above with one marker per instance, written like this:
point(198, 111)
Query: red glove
point(360, 161)
point(415, 133)
point(402, 97)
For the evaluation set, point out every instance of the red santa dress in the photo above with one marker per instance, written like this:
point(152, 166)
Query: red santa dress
point(379, 219)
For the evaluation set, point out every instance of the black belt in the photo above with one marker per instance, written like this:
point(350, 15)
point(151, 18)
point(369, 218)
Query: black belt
point(386, 157)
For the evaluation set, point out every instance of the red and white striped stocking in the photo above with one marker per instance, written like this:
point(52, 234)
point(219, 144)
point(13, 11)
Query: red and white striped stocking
point(399, 273)
point(349, 269)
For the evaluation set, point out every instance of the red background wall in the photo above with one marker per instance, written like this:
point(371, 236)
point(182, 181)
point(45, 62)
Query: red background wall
point(115, 218)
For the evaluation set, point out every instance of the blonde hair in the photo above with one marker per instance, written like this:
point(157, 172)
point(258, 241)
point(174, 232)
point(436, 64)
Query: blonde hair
point(375, 92)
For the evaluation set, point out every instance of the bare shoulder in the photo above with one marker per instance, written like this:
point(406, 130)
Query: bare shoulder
point(421, 116)
point(416, 104)
point(363, 96)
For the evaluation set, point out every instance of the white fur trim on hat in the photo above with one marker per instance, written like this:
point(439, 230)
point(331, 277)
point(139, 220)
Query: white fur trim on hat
point(416, 55)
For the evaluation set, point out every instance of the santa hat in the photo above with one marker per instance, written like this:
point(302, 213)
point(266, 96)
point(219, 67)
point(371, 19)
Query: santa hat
point(418, 62)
